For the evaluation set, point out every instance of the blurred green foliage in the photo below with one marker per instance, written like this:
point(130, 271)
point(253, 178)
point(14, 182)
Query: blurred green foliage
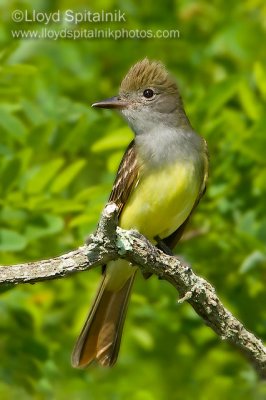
point(58, 161)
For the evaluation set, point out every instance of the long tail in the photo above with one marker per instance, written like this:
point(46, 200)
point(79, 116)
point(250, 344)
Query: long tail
point(101, 335)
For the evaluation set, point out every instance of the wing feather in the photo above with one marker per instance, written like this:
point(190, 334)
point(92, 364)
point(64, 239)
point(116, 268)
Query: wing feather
point(126, 177)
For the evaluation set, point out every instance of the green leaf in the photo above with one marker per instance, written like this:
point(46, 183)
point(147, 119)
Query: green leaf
point(220, 94)
point(20, 69)
point(115, 140)
point(114, 161)
point(253, 260)
point(11, 240)
point(67, 176)
point(93, 192)
point(76, 137)
point(44, 225)
point(83, 219)
point(43, 175)
point(33, 112)
point(12, 125)
point(11, 215)
point(144, 338)
point(249, 101)
point(60, 206)
point(260, 76)
point(254, 145)
point(10, 173)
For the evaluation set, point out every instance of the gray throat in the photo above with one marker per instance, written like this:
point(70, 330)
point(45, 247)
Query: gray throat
point(163, 145)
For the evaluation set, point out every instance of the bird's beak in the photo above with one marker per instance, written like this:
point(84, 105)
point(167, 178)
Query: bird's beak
point(112, 102)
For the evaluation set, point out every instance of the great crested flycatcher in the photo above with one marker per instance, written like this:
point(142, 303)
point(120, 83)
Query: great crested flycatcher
point(159, 182)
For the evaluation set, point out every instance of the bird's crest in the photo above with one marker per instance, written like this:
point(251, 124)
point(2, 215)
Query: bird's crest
point(145, 74)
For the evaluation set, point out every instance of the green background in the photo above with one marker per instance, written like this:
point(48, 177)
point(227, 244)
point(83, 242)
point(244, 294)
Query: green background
point(58, 161)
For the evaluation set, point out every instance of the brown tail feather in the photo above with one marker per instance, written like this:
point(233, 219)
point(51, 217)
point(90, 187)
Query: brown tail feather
point(101, 335)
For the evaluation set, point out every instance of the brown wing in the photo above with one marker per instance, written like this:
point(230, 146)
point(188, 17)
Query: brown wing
point(126, 177)
point(172, 239)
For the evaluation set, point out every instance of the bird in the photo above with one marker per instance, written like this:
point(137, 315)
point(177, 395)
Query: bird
point(160, 180)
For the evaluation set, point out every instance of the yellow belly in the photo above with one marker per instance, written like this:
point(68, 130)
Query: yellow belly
point(162, 200)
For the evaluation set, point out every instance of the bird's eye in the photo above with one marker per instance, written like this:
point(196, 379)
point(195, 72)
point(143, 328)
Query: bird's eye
point(148, 93)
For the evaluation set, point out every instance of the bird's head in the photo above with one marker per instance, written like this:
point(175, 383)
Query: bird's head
point(148, 96)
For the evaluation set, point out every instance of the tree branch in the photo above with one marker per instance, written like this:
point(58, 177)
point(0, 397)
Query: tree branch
point(111, 242)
